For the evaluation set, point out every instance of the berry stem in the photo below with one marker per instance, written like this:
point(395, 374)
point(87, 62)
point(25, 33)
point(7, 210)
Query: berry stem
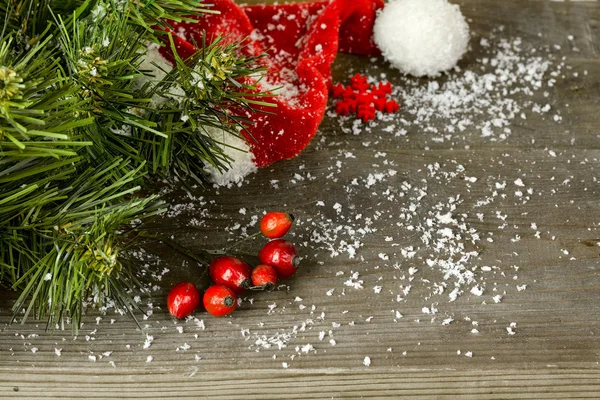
point(202, 257)
point(226, 249)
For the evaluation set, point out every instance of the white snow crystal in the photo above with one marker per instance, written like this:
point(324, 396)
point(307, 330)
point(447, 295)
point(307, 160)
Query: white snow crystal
point(307, 347)
point(519, 182)
point(148, 341)
point(354, 282)
point(477, 291)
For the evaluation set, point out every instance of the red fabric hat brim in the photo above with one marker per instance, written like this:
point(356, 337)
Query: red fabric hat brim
point(301, 40)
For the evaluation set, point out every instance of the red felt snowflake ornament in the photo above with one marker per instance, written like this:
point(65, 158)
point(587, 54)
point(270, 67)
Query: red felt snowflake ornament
point(364, 99)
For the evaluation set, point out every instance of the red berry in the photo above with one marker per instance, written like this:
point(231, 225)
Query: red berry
point(219, 300)
point(276, 224)
point(183, 299)
point(231, 272)
point(265, 276)
point(281, 255)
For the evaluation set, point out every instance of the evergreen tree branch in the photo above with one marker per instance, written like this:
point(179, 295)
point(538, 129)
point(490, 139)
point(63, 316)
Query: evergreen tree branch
point(79, 135)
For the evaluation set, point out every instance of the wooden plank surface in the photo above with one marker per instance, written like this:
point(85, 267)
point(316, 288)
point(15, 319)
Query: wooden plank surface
point(550, 286)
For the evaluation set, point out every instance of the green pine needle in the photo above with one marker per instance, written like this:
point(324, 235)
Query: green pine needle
point(79, 135)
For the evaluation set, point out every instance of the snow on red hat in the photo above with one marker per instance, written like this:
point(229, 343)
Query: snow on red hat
point(301, 41)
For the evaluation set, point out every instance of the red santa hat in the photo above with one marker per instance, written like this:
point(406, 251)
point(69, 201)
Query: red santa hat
point(301, 40)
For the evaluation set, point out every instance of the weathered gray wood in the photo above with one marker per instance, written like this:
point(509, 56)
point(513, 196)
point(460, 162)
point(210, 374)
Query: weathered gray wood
point(318, 383)
point(554, 354)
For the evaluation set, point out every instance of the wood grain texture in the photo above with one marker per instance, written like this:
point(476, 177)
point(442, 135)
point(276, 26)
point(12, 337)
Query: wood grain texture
point(555, 352)
point(328, 383)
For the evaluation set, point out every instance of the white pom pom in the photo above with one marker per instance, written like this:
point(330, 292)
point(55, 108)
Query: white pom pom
point(421, 37)
point(240, 157)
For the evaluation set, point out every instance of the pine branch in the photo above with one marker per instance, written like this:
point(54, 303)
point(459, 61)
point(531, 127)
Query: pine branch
point(35, 103)
point(79, 134)
point(154, 16)
point(210, 90)
point(81, 237)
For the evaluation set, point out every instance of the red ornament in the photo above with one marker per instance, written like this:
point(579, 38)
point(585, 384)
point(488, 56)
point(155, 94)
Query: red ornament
point(349, 94)
point(364, 98)
point(391, 106)
point(366, 113)
point(359, 83)
point(231, 272)
point(219, 300)
point(379, 103)
point(183, 299)
point(264, 276)
point(338, 90)
point(352, 105)
point(281, 255)
point(377, 92)
point(342, 108)
point(385, 87)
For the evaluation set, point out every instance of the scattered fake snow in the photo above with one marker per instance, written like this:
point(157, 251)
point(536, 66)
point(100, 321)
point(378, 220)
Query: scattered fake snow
point(487, 97)
point(442, 259)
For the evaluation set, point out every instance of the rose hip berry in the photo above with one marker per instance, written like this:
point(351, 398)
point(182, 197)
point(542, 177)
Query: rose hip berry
point(183, 299)
point(231, 272)
point(281, 255)
point(276, 224)
point(264, 276)
point(219, 300)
